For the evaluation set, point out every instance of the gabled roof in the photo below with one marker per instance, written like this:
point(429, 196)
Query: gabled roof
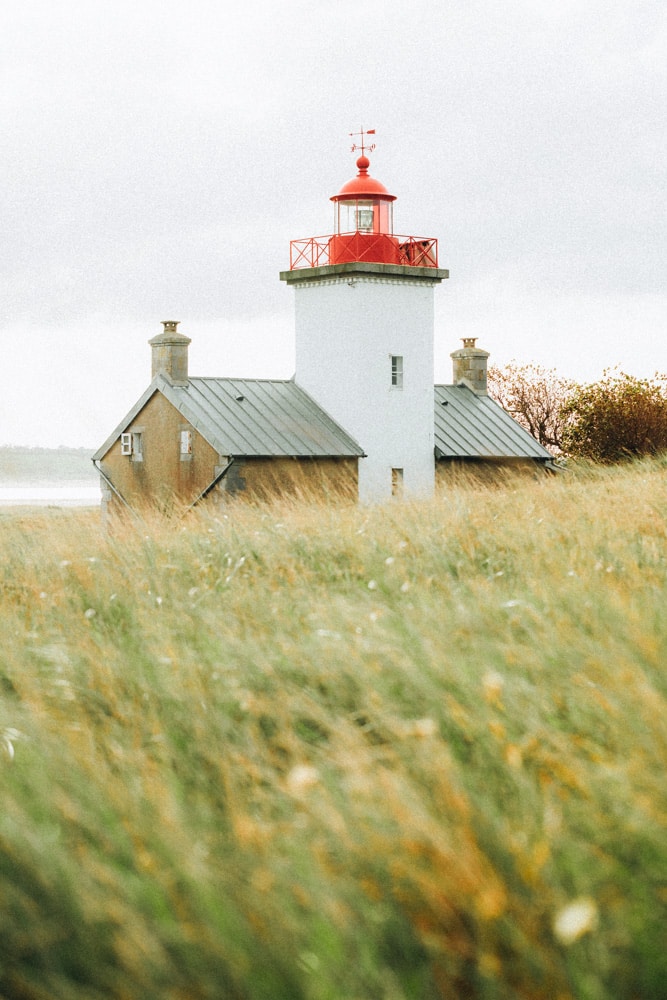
point(244, 417)
point(468, 425)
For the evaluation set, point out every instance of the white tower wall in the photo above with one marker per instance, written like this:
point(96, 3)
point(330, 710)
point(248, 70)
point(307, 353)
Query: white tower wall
point(348, 327)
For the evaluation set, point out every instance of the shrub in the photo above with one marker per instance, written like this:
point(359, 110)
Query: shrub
point(535, 397)
point(617, 418)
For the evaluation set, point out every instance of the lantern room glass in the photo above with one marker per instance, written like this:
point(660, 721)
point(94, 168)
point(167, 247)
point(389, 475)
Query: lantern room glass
point(364, 215)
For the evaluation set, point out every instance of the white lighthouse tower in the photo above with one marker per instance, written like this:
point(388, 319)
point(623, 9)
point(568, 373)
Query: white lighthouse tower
point(364, 334)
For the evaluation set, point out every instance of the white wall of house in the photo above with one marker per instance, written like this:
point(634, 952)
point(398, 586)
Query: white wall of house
point(348, 327)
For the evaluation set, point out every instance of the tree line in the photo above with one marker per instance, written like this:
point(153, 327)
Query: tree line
point(619, 417)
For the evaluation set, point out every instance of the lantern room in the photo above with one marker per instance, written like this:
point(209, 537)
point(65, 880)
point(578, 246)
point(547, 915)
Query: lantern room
point(363, 204)
point(363, 227)
point(364, 222)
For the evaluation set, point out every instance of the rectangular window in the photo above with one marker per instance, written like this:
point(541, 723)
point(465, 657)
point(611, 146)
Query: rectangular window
point(137, 446)
point(396, 371)
point(131, 443)
point(186, 443)
point(397, 482)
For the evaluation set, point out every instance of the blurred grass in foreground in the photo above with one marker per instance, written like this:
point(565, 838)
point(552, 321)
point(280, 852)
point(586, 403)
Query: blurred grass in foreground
point(310, 752)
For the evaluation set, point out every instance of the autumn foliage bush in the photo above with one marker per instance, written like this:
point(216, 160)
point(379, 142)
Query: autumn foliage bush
point(616, 418)
point(535, 397)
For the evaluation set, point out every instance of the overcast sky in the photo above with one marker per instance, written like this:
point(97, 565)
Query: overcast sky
point(157, 158)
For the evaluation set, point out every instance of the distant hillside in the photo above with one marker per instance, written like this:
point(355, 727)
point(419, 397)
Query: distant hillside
point(23, 466)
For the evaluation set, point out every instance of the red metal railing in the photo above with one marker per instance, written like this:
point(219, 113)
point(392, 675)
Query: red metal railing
point(410, 251)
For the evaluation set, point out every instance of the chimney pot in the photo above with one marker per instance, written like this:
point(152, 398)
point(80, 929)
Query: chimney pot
point(169, 353)
point(470, 365)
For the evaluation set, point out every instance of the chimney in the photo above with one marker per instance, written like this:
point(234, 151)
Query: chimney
point(170, 353)
point(470, 366)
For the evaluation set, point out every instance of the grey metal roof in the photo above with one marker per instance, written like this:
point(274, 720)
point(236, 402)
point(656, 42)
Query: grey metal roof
point(468, 425)
point(260, 417)
point(270, 417)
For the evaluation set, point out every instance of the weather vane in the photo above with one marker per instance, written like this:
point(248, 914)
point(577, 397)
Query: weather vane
point(362, 146)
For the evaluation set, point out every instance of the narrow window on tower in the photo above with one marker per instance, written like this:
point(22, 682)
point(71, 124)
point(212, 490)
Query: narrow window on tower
point(397, 371)
point(397, 482)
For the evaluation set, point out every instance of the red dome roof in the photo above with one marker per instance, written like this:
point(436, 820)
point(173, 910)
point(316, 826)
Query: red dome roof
point(363, 186)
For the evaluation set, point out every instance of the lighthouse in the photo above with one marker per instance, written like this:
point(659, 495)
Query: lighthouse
point(364, 328)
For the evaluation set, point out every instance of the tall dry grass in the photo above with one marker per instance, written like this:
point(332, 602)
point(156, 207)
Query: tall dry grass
point(322, 752)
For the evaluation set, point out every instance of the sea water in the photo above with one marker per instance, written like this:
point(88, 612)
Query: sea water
point(73, 495)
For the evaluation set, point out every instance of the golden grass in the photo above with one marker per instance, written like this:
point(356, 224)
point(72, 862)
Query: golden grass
point(339, 753)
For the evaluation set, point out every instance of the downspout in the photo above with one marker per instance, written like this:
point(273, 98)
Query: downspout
point(211, 486)
point(113, 488)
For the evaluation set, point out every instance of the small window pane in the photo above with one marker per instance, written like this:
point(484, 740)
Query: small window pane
point(365, 219)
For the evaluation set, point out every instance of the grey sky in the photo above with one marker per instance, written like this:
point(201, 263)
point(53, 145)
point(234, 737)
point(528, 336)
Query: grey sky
point(157, 158)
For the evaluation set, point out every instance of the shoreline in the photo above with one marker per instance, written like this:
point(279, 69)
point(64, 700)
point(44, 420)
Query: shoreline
point(71, 495)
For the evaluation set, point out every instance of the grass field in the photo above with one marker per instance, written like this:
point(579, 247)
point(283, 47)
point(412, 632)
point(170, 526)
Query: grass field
point(310, 752)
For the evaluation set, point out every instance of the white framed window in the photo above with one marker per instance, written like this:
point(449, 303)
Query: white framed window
point(396, 371)
point(132, 444)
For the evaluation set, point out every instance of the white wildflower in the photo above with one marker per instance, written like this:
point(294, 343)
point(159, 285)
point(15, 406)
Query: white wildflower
point(89, 613)
point(372, 585)
point(301, 778)
point(576, 919)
